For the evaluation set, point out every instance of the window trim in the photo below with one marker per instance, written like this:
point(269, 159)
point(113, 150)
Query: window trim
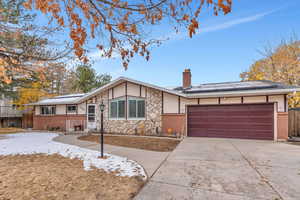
point(136, 99)
point(88, 113)
point(117, 100)
point(52, 106)
point(73, 112)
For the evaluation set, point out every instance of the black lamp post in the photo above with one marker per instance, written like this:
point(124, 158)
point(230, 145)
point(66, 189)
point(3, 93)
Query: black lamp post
point(101, 106)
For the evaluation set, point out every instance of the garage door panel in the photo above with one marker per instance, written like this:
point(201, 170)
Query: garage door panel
point(232, 113)
point(250, 121)
point(232, 120)
point(242, 126)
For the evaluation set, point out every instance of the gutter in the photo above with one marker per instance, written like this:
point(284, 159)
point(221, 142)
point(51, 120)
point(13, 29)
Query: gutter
point(244, 93)
point(47, 104)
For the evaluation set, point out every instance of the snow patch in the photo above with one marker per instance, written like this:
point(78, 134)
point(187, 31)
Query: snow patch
point(33, 143)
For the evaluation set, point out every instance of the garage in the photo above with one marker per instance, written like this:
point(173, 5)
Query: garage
point(244, 121)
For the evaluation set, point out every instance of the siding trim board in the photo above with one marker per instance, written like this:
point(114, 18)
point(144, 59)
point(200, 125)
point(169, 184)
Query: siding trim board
point(179, 104)
point(162, 102)
point(140, 90)
point(146, 103)
point(126, 98)
point(285, 103)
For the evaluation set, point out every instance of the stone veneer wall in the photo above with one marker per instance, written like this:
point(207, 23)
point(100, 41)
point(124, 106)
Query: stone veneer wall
point(150, 126)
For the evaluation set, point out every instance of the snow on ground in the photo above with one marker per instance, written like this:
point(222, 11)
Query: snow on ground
point(32, 143)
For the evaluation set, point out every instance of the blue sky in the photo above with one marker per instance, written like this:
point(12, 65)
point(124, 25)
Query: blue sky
point(224, 47)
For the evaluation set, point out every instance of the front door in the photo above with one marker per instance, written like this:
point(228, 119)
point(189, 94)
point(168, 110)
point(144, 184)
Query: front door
point(91, 116)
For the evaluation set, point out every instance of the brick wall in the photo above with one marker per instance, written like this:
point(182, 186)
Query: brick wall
point(41, 122)
point(282, 125)
point(173, 124)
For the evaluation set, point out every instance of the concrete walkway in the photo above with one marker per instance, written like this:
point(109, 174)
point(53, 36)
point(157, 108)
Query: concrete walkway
point(227, 169)
point(150, 160)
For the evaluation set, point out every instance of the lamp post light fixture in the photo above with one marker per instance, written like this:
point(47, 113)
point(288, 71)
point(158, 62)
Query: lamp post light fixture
point(101, 106)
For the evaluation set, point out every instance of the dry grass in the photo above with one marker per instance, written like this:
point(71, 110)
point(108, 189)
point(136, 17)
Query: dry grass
point(55, 177)
point(146, 143)
point(11, 130)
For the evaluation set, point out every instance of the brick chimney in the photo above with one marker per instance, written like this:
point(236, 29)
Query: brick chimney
point(186, 78)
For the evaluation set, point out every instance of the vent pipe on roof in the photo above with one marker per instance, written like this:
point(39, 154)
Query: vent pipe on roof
point(186, 78)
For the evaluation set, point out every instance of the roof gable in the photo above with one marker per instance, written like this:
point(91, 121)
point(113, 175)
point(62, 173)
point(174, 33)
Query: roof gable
point(125, 79)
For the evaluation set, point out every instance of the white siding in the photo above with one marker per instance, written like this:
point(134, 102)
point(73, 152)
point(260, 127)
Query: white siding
point(133, 90)
point(60, 109)
point(110, 93)
point(170, 104)
point(184, 102)
point(37, 110)
point(255, 99)
point(230, 100)
point(209, 101)
point(119, 91)
point(280, 101)
point(143, 91)
point(81, 108)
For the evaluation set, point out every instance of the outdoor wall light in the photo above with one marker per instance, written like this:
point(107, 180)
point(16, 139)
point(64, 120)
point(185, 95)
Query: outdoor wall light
point(102, 106)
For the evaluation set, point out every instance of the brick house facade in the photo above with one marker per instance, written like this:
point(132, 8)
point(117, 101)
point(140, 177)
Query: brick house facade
point(135, 107)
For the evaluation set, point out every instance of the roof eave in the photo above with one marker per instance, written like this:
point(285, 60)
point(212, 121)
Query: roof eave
point(51, 103)
point(244, 93)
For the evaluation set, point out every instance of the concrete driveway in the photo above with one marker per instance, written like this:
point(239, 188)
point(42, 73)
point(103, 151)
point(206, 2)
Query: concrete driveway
point(227, 169)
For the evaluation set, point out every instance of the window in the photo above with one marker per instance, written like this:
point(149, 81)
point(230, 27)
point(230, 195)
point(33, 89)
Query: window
point(136, 108)
point(48, 110)
point(91, 113)
point(71, 108)
point(117, 108)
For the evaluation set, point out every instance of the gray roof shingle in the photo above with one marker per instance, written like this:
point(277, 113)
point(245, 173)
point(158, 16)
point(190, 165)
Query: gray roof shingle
point(232, 86)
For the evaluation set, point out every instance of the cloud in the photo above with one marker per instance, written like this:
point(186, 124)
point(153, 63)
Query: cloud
point(234, 22)
point(96, 55)
point(224, 25)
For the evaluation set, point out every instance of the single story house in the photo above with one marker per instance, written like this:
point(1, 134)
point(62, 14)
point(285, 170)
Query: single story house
point(249, 109)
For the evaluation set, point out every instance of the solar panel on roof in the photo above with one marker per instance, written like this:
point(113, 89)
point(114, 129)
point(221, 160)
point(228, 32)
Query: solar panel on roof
point(232, 86)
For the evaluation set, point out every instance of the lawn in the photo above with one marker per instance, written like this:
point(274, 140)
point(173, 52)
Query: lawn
point(10, 130)
point(46, 177)
point(33, 166)
point(138, 142)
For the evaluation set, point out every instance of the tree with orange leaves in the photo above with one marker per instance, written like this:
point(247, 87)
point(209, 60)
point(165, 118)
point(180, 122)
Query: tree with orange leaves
point(280, 64)
point(119, 26)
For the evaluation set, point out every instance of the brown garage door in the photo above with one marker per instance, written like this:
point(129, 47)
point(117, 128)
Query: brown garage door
point(246, 121)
